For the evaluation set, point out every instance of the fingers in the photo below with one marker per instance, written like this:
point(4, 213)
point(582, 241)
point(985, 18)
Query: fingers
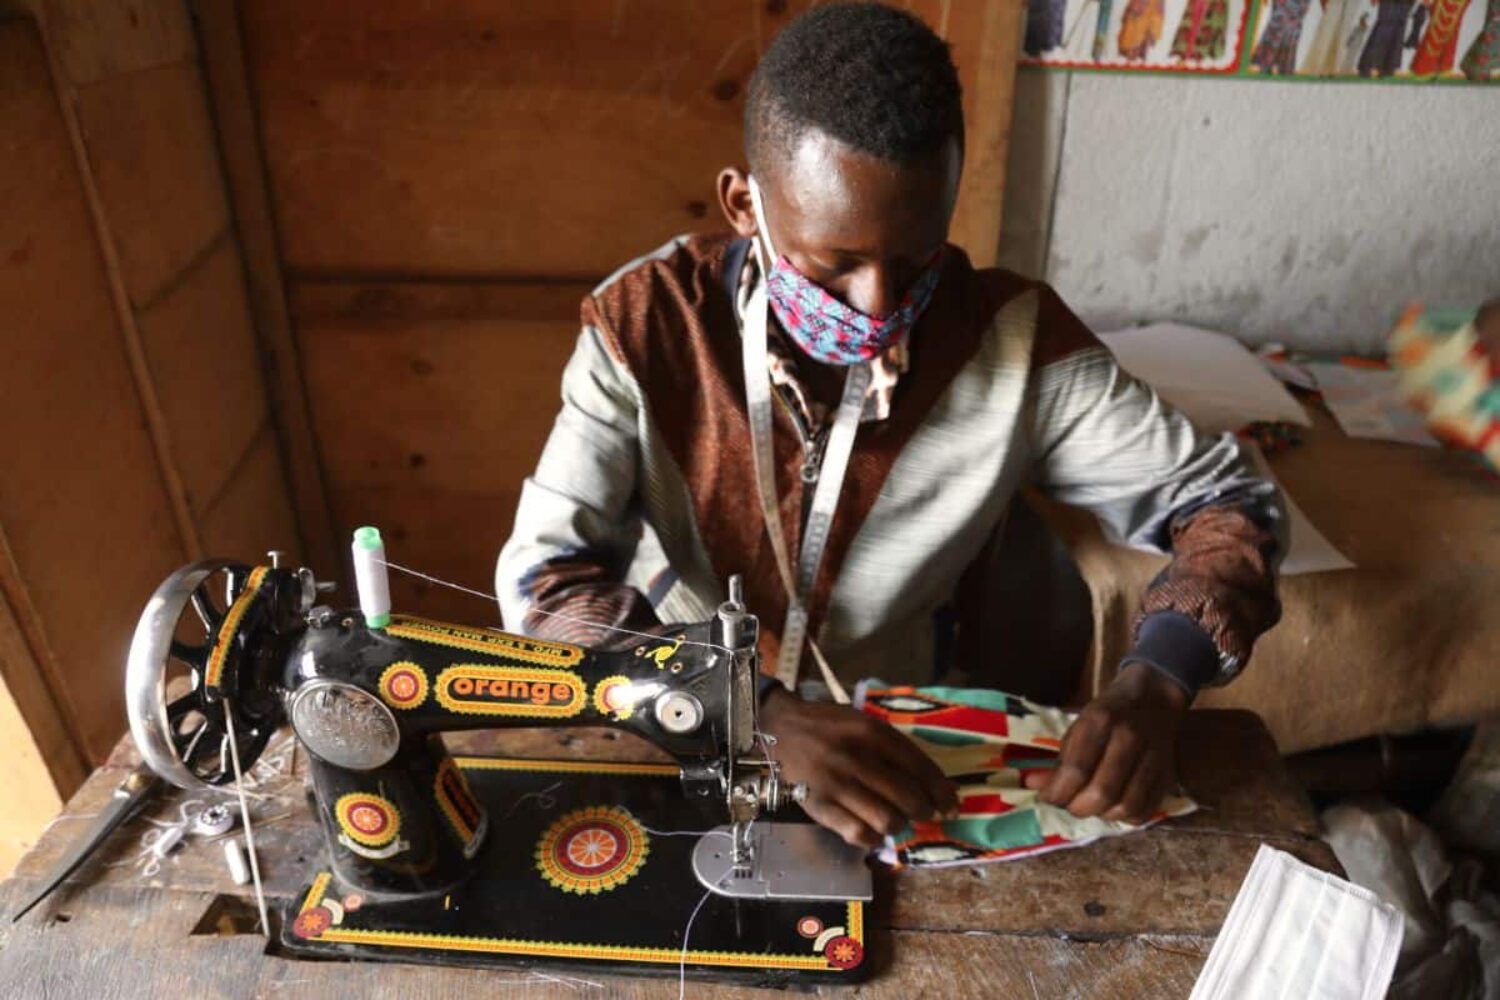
point(1105, 788)
point(871, 808)
point(941, 795)
point(865, 779)
point(1083, 747)
point(1147, 787)
point(841, 821)
point(907, 797)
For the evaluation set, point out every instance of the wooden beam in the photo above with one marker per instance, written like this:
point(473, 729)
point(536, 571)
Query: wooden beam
point(986, 39)
point(240, 148)
point(30, 672)
point(56, 39)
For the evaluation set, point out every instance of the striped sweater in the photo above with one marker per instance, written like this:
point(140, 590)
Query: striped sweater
point(644, 502)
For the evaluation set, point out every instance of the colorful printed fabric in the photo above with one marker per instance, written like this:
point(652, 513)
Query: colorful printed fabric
point(1448, 374)
point(1483, 58)
point(1101, 29)
point(834, 332)
point(1201, 33)
point(1338, 38)
point(1276, 52)
point(1044, 26)
point(985, 741)
point(1140, 27)
point(886, 368)
point(1382, 53)
point(1440, 43)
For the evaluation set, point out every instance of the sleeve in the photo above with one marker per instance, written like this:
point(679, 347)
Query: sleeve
point(561, 575)
point(1107, 443)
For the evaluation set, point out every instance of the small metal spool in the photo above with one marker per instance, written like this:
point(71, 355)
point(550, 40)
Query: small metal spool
point(679, 712)
point(213, 821)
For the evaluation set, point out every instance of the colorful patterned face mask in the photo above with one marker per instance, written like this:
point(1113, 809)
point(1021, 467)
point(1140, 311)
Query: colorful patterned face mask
point(1447, 373)
point(827, 329)
point(985, 741)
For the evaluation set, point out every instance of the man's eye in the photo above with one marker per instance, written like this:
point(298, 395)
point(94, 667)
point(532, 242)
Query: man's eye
point(834, 269)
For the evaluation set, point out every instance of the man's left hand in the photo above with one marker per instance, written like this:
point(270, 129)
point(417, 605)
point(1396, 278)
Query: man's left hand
point(1118, 757)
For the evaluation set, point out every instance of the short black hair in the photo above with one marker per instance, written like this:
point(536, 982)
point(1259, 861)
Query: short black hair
point(871, 76)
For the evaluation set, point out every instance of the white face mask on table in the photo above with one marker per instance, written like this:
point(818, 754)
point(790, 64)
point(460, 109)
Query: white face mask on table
point(1297, 932)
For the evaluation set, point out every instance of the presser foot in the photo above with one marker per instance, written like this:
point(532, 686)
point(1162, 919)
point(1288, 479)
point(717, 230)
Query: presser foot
point(787, 861)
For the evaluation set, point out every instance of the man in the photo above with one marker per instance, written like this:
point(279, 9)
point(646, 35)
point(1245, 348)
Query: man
point(902, 398)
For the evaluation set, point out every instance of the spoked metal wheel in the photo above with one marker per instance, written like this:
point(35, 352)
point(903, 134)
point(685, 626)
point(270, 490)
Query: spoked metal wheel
point(182, 734)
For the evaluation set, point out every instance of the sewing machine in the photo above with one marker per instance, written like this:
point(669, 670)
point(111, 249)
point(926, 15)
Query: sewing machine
point(434, 858)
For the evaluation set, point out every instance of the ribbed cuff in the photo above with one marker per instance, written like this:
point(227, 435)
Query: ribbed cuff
point(1179, 647)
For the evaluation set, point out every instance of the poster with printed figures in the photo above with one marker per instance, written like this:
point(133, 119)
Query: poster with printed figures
point(1419, 41)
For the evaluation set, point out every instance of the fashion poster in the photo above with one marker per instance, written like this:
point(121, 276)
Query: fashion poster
point(1397, 39)
point(1199, 36)
point(1452, 41)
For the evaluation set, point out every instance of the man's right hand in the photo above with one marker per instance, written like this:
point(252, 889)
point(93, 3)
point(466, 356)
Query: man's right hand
point(864, 779)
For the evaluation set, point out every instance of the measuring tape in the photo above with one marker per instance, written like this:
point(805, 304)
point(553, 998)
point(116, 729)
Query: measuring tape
point(830, 485)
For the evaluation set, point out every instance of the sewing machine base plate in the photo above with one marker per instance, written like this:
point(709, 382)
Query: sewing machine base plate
point(573, 875)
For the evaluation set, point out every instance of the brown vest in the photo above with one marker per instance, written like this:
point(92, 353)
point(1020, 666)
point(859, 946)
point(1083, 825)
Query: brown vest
point(671, 322)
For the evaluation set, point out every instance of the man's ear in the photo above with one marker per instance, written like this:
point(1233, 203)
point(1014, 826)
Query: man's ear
point(735, 202)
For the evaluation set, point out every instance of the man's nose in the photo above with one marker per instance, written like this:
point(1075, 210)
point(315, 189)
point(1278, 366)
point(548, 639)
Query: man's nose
point(875, 291)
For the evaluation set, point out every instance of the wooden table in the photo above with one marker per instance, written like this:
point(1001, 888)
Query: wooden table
point(1129, 917)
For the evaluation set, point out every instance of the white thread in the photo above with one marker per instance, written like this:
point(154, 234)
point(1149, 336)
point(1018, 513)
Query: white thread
point(61, 819)
point(543, 798)
point(239, 786)
point(685, 833)
point(550, 614)
point(682, 961)
point(571, 982)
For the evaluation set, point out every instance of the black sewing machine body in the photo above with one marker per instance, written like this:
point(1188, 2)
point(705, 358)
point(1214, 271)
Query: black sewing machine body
point(416, 860)
point(369, 705)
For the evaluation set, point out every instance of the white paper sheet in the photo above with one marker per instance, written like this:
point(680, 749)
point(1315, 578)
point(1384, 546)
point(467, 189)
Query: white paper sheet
point(1310, 552)
point(1211, 377)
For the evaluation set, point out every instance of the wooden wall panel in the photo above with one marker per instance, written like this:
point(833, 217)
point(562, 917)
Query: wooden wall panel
point(47, 726)
point(133, 416)
point(218, 28)
point(200, 348)
point(81, 502)
point(253, 514)
point(556, 138)
point(433, 402)
point(153, 157)
point(30, 794)
point(986, 40)
point(96, 39)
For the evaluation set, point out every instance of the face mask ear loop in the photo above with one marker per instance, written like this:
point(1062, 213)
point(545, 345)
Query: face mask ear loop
point(764, 249)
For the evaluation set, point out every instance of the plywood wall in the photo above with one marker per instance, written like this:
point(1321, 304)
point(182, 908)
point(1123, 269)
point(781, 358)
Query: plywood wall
point(135, 431)
point(448, 178)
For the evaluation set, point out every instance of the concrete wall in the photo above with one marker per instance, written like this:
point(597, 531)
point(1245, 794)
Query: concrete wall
point(1306, 213)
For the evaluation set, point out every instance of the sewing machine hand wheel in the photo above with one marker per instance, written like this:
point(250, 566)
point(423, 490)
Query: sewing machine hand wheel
point(179, 729)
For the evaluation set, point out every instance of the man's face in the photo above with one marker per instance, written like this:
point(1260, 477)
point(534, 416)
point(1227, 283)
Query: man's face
point(861, 227)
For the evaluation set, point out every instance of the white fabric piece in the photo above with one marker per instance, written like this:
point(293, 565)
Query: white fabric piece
point(1297, 932)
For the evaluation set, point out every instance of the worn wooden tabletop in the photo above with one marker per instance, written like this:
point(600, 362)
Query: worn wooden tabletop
point(1129, 917)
